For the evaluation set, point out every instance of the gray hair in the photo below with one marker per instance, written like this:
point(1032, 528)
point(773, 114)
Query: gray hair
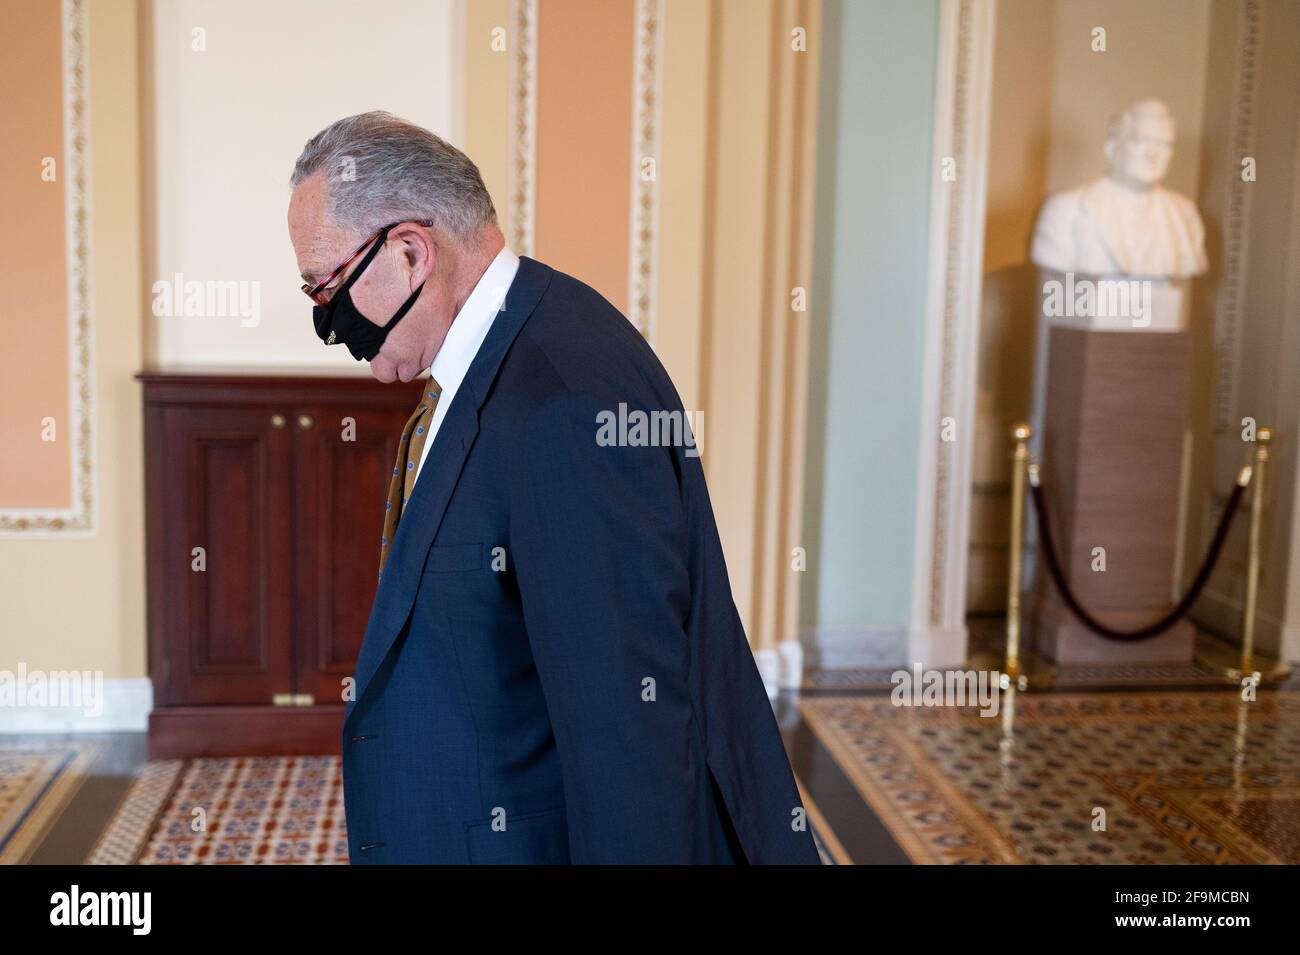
point(382, 169)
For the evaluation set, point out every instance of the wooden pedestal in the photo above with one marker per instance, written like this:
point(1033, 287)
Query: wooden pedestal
point(1115, 417)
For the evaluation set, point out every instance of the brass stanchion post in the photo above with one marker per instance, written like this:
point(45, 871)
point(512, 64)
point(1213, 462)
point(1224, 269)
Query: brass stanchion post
point(1020, 434)
point(1250, 665)
point(1214, 654)
point(1258, 470)
point(1020, 669)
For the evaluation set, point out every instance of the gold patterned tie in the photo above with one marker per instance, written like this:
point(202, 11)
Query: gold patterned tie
point(405, 471)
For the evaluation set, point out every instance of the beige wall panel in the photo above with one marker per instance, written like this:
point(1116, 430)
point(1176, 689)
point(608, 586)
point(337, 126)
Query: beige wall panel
point(735, 295)
point(486, 94)
point(683, 197)
point(231, 108)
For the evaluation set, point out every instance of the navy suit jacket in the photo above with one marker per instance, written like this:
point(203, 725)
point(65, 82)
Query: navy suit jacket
point(554, 670)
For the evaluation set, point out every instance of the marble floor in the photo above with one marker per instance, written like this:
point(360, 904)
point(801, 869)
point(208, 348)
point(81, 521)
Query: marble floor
point(1138, 777)
point(1133, 775)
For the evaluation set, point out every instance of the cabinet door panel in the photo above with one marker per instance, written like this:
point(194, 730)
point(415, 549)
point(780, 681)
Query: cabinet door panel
point(225, 555)
point(341, 484)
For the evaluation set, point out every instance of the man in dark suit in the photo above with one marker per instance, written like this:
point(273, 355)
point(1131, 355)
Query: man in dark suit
point(554, 670)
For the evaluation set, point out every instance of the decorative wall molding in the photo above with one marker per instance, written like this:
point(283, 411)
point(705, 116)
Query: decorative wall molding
point(963, 106)
point(78, 520)
point(1289, 635)
point(647, 93)
point(523, 126)
point(1227, 318)
point(1219, 609)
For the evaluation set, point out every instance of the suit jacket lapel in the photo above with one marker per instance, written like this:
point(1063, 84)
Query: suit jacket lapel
point(423, 513)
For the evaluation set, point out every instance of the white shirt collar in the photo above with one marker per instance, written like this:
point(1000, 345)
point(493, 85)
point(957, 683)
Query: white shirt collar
point(471, 324)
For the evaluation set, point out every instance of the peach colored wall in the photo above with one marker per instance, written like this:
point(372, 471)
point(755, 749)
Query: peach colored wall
point(33, 264)
point(584, 140)
point(78, 604)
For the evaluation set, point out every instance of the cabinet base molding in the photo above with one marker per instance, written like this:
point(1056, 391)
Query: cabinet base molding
point(184, 731)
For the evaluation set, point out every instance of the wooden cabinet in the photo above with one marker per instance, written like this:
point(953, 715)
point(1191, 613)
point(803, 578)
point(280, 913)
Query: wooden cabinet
point(265, 499)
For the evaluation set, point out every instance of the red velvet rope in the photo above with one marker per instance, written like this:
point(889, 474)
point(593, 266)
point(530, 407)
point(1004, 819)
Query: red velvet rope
point(1169, 619)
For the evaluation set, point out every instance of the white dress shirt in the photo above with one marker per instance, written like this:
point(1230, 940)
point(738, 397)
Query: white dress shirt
point(465, 336)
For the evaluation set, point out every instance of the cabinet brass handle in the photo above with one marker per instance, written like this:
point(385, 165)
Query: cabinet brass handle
point(293, 699)
point(277, 420)
point(305, 421)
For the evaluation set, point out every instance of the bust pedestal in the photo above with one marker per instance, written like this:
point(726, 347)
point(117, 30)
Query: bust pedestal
point(1114, 412)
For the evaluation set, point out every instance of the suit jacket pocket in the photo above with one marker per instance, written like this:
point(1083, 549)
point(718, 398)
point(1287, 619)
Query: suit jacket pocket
point(534, 838)
point(450, 558)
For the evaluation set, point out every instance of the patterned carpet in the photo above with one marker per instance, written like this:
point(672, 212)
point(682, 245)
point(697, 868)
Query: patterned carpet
point(273, 809)
point(1185, 777)
point(36, 782)
point(250, 810)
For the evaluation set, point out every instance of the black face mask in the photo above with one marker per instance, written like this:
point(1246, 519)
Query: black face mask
point(338, 322)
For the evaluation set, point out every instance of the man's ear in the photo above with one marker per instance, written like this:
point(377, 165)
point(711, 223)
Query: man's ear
point(419, 252)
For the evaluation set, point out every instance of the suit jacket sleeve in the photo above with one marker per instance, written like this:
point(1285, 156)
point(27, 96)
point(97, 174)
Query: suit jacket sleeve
point(598, 536)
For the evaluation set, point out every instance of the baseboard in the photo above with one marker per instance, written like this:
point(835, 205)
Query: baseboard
point(1291, 643)
point(833, 648)
point(122, 705)
point(1220, 613)
point(829, 648)
point(177, 732)
point(938, 646)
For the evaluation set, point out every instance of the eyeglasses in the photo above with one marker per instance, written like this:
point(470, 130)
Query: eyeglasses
point(319, 294)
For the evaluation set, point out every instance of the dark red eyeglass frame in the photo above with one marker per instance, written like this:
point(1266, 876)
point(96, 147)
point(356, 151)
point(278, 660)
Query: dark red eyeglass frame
point(314, 292)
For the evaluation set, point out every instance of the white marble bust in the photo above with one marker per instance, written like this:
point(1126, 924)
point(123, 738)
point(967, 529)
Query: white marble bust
point(1125, 223)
